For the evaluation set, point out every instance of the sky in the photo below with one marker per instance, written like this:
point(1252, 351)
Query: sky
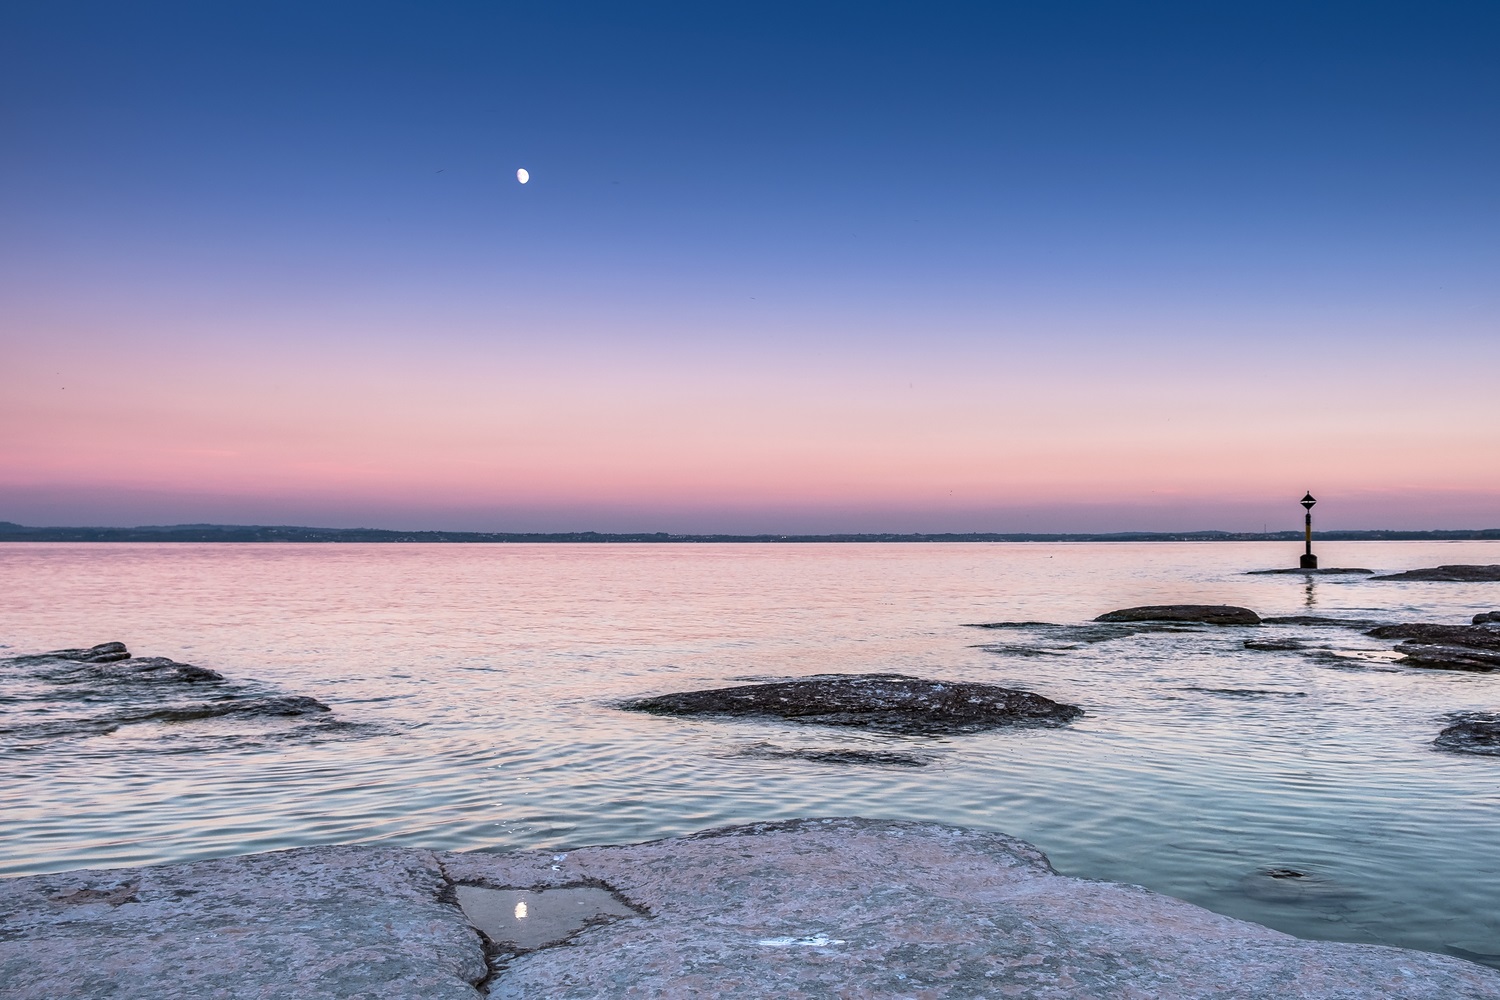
point(1072, 266)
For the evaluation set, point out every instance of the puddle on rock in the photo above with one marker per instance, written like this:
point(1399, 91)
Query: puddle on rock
point(534, 919)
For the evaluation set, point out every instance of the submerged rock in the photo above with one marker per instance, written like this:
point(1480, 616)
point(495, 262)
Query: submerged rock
point(1477, 734)
point(893, 703)
point(809, 907)
point(1293, 885)
point(838, 755)
point(1319, 621)
point(1453, 574)
point(272, 707)
point(1206, 614)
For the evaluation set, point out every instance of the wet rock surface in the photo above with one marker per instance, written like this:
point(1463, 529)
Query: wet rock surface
point(1445, 647)
point(1450, 574)
point(1487, 618)
point(1476, 733)
point(893, 703)
point(1206, 614)
point(81, 693)
point(1440, 657)
point(815, 908)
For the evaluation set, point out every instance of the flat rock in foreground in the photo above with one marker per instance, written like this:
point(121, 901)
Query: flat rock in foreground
point(892, 703)
point(1206, 614)
point(808, 908)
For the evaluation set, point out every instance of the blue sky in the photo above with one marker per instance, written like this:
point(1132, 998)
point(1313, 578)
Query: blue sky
point(1213, 202)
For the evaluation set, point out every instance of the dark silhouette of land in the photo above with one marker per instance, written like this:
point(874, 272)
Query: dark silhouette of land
point(10, 532)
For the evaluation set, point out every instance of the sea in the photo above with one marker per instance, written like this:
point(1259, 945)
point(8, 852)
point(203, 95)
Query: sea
point(473, 696)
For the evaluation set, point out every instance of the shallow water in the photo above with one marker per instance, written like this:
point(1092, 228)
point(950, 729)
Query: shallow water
point(472, 690)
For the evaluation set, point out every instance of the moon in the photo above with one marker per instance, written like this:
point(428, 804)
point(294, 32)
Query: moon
point(522, 175)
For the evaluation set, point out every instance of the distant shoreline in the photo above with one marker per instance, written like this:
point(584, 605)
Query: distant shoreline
point(10, 532)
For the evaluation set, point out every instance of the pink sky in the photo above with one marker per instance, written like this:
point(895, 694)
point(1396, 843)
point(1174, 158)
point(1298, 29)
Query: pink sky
point(1082, 437)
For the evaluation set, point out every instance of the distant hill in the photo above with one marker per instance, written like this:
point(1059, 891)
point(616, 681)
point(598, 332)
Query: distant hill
point(11, 532)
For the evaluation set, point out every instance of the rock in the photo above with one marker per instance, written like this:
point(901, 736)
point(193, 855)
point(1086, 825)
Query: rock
point(1318, 621)
point(271, 707)
point(1440, 657)
point(1275, 644)
point(316, 923)
point(892, 703)
point(1476, 733)
point(146, 670)
point(1453, 574)
point(105, 652)
point(97, 691)
point(1456, 635)
point(1207, 614)
point(811, 907)
point(1011, 625)
point(1487, 618)
point(1329, 571)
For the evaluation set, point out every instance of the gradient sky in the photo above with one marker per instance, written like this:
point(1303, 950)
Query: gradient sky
point(1000, 267)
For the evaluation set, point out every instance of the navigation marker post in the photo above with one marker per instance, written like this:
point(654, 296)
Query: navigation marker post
point(1309, 561)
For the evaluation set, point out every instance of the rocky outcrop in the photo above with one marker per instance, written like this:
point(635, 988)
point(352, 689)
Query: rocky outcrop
point(813, 907)
point(1476, 733)
point(1487, 618)
point(1206, 614)
point(1451, 574)
point(892, 703)
point(100, 689)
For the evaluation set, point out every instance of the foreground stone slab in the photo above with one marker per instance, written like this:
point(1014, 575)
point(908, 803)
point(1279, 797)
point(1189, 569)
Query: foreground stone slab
point(315, 923)
point(844, 908)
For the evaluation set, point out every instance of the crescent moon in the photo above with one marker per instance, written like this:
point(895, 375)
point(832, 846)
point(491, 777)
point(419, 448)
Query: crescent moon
point(522, 175)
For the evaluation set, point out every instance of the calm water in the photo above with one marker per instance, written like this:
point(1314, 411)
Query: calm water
point(472, 688)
